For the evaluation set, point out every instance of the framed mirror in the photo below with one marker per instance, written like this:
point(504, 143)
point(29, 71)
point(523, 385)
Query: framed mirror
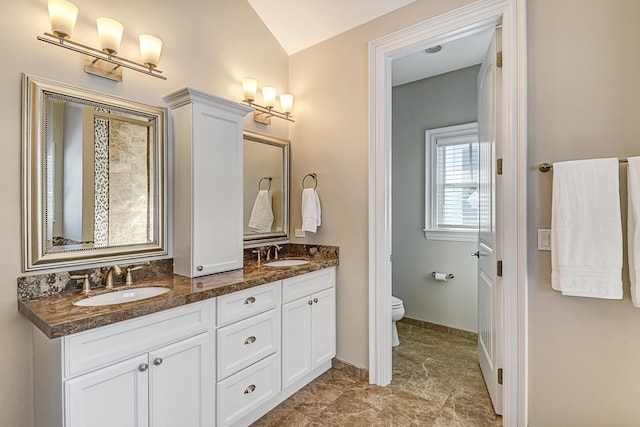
point(93, 176)
point(266, 188)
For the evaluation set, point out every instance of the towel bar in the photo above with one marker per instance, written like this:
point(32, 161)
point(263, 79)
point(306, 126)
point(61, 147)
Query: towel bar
point(315, 178)
point(546, 167)
point(262, 179)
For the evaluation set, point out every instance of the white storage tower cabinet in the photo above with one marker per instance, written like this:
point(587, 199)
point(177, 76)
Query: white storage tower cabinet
point(207, 197)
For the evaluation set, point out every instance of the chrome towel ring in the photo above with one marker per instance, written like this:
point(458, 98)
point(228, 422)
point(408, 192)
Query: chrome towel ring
point(315, 179)
point(262, 179)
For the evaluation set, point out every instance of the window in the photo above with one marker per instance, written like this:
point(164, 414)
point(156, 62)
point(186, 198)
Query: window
point(451, 183)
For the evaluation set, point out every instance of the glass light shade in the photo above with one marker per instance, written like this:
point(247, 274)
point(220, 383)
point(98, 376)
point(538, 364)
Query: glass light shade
point(269, 96)
point(249, 88)
point(150, 48)
point(286, 103)
point(63, 16)
point(110, 34)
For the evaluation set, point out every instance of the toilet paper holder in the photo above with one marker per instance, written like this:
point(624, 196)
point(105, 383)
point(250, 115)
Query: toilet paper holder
point(448, 276)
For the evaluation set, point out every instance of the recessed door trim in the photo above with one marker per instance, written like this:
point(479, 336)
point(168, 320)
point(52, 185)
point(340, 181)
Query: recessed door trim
point(474, 17)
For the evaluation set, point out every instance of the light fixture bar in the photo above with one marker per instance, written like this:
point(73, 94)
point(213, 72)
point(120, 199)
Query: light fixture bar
point(100, 55)
point(268, 112)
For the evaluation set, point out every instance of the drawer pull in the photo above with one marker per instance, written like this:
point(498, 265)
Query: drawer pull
point(250, 389)
point(250, 340)
point(310, 302)
point(143, 367)
point(250, 300)
point(157, 361)
point(315, 300)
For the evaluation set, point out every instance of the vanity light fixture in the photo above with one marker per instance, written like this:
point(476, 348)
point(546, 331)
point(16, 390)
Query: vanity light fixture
point(263, 113)
point(102, 62)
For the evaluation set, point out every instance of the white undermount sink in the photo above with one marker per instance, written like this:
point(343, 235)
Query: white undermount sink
point(286, 263)
point(119, 297)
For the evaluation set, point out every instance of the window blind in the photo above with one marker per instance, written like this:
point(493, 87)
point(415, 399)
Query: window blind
point(457, 184)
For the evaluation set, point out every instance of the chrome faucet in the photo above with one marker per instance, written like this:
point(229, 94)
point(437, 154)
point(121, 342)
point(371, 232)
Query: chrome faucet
point(259, 252)
point(86, 285)
point(113, 270)
point(276, 248)
point(129, 279)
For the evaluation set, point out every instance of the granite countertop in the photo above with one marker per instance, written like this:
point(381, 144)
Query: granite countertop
point(56, 316)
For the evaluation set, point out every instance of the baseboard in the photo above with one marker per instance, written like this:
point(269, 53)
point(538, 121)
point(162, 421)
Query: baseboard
point(353, 370)
point(446, 329)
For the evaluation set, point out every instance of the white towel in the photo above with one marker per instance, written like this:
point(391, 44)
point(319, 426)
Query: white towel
point(262, 213)
point(633, 228)
point(311, 211)
point(586, 229)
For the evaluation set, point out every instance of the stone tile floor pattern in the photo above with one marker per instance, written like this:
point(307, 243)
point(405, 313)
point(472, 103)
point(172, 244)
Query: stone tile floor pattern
point(436, 382)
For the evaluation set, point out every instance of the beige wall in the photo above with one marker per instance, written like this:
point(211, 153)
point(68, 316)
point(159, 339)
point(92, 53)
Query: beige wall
point(584, 69)
point(583, 102)
point(209, 45)
point(331, 137)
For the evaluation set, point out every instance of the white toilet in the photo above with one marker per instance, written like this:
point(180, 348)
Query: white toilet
point(397, 312)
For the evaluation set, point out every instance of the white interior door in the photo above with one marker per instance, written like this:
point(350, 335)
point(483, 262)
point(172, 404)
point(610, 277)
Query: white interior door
point(490, 339)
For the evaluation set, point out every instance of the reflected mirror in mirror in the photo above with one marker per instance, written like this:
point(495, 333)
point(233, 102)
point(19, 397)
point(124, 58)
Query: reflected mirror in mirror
point(94, 176)
point(266, 188)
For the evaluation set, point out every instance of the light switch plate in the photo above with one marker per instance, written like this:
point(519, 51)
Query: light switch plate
point(299, 232)
point(544, 239)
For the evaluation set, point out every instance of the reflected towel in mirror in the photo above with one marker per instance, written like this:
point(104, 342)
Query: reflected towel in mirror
point(262, 213)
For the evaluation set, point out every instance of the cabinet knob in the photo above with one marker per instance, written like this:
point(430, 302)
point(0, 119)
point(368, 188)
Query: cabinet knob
point(250, 300)
point(315, 300)
point(143, 367)
point(157, 361)
point(250, 340)
point(310, 302)
point(250, 389)
point(199, 268)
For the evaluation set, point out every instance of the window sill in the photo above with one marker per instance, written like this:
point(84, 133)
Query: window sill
point(452, 236)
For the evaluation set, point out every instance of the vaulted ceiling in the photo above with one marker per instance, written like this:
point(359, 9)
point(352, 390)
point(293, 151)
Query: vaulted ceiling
point(299, 24)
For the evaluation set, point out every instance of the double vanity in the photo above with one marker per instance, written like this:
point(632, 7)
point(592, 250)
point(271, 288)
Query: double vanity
point(221, 349)
point(202, 333)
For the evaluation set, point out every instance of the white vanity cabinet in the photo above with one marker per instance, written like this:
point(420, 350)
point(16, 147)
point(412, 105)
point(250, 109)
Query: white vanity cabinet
point(156, 370)
point(248, 358)
point(308, 324)
point(207, 139)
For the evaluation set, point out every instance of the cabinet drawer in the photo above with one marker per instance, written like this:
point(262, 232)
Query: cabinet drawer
point(247, 341)
point(88, 350)
point(248, 389)
point(242, 304)
point(306, 284)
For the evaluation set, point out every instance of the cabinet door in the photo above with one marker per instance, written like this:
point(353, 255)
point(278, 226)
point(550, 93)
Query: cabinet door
point(113, 396)
point(182, 383)
point(323, 327)
point(296, 340)
point(217, 192)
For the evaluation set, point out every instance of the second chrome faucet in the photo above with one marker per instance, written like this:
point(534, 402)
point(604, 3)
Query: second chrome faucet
point(117, 270)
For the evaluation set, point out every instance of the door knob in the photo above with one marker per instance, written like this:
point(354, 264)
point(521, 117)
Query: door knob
point(157, 361)
point(476, 254)
point(143, 367)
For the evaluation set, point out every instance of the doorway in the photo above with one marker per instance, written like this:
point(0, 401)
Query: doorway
point(475, 17)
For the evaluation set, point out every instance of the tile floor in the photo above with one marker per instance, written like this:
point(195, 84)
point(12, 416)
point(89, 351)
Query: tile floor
point(436, 382)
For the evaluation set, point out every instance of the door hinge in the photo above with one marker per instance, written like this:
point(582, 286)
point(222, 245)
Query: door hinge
point(499, 269)
point(500, 376)
point(499, 59)
point(499, 166)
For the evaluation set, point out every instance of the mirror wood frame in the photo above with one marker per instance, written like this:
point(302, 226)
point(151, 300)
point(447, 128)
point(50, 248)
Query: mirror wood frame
point(275, 236)
point(35, 91)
